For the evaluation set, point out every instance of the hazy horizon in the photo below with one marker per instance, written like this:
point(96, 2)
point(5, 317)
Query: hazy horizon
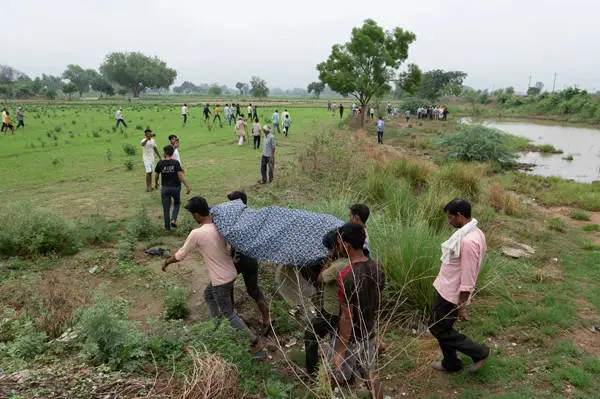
point(497, 43)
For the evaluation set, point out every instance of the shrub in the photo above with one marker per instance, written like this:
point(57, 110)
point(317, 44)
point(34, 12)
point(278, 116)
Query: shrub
point(176, 304)
point(556, 224)
point(140, 227)
point(578, 214)
point(129, 165)
point(27, 342)
point(107, 337)
point(53, 313)
point(125, 250)
point(547, 149)
point(129, 149)
point(591, 227)
point(26, 232)
point(477, 143)
point(96, 229)
point(166, 339)
point(502, 201)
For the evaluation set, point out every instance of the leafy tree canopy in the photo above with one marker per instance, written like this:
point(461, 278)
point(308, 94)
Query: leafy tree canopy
point(436, 81)
point(316, 87)
point(258, 87)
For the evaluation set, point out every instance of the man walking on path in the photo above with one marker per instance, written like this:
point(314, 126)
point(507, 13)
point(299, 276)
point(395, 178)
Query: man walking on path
point(380, 130)
point(248, 268)
point(184, 112)
point(172, 177)
point(119, 117)
point(341, 111)
point(275, 120)
point(250, 112)
point(287, 122)
point(206, 114)
point(268, 156)
point(256, 129)
point(217, 257)
point(462, 256)
point(148, 151)
point(218, 115)
point(20, 121)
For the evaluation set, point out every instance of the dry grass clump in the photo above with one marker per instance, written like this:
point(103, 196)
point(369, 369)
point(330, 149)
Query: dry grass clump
point(211, 378)
point(504, 201)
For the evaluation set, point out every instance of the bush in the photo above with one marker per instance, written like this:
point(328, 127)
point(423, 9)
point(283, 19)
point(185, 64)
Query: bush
point(107, 337)
point(477, 143)
point(502, 201)
point(26, 232)
point(556, 224)
point(591, 227)
point(129, 165)
point(129, 149)
point(176, 304)
point(140, 227)
point(578, 214)
point(96, 229)
point(27, 342)
point(125, 250)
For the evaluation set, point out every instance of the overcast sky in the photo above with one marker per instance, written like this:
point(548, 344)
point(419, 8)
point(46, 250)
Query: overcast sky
point(498, 43)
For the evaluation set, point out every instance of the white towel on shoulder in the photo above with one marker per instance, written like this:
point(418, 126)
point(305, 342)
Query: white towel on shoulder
point(451, 248)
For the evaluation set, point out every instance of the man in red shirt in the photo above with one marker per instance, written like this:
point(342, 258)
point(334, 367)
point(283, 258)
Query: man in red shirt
point(462, 256)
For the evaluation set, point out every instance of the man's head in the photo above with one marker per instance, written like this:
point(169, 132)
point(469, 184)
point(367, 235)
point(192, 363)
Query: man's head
point(285, 110)
point(185, 105)
point(238, 195)
point(20, 108)
point(255, 120)
point(148, 133)
point(330, 241)
point(266, 129)
point(169, 150)
point(353, 236)
point(172, 138)
point(199, 209)
point(359, 213)
point(459, 212)
point(276, 111)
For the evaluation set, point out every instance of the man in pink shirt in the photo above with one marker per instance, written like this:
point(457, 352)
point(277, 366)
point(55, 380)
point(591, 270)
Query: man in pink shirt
point(217, 257)
point(462, 256)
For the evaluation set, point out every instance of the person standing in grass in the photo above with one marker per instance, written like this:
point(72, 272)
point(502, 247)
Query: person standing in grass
point(228, 113)
point(207, 114)
point(268, 156)
point(237, 110)
point(221, 270)
point(248, 268)
point(20, 121)
point(120, 118)
point(254, 112)
point(172, 177)
point(240, 130)
point(148, 151)
point(275, 121)
point(380, 124)
point(175, 143)
point(287, 122)
point(250, 112)
point(218, 115)
point(462, 256)
point(184, 113)
point(6, 123)
point(407, 115)
point(285, 113)
point(360, 286)
point(341, 111)
point(256, 134)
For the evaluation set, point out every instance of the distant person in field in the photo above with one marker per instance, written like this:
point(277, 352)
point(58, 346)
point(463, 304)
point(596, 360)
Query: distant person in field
point(329, 105)
point(462, 256)
point(275, 121)
point(256, 130)
point(217, 256)
point(248, 268)
point(20, 121)
point(218, 115)
point(119, 117)
point(333, 109)
point(268, 156)
point(287, 122)
point(175, 143)
point(172, 177)
point(184, 113)
point(229, 112)
point(207, 113)
point(254, 113)
point(250, 111)
point(389, 108)
point(407, 115)
point(148, 151)
point(380, 124)
point(240, 130)
point(285, 113)
point(445, 113)
point(6, 122)
point(341, 111)
point(372, 113)
point(237, 110)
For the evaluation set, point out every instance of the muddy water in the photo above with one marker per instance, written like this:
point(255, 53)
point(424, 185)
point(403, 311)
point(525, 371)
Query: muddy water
point(582, 143)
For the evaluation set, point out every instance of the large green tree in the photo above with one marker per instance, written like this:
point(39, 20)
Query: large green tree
point(258, 87)
point(317, 87)
point(364, 66)
point(82, 78)
point(69, 89)
point(137, 71)
point(409, 81)
point(437, 82)
point(102, 85)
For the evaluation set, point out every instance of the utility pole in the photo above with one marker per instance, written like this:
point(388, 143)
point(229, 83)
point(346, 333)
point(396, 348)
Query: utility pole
point(554, 84)
point(529, 84)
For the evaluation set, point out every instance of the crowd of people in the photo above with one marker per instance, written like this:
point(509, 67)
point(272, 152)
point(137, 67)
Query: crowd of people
point(7, 123)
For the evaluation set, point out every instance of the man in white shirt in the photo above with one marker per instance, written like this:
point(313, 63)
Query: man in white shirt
point(119, 117)
point(148, 151)
point(275, 120)
point(249, 111)
point(184, 113)
point(285, 114)
point(175, 143)
point(227, 111)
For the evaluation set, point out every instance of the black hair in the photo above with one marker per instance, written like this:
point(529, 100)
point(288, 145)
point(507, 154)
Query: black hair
point(330, 240)
point(169, 150)
point(198, 205)
point(147, 131)
point(184, 104)
point(238, 195)
point(354, 234)
point(362, 211)
point(256, 120)
point(457, 206)
point(276, 111)
point(172, 136)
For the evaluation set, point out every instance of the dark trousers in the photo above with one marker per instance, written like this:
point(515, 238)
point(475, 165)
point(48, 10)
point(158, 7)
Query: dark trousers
point(286, 130)
point(263, 168)
point(276, 126)
point(21, 123)
point(167, 193)
point(184, 118)
point(217, 116)
point(256, 143)
point(320, 327)
point(341, 114)
point(249, 271)
point(380, 137)
point(121, 121)
point(443, 316)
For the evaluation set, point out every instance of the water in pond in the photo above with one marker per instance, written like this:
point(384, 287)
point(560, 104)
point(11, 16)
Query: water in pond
point(582, 143)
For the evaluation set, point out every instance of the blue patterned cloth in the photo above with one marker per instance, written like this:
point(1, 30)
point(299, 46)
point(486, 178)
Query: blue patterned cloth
point(273, 234)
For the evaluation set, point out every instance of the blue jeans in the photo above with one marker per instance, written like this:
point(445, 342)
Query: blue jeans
point(380, 137)
point(166, 194)
point(263, 168)
point(121, 121)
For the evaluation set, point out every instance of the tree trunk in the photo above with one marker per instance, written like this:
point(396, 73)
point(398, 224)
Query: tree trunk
point(362, 116)
point(136, 91)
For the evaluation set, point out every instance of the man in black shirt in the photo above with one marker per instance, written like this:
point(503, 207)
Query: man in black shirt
point(207, 114)
point(248, 267)
point(172, 177)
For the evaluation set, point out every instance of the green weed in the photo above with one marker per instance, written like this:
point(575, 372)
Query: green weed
point(591, 227)
point(176, 304)
point(578, 214)
point(557, 224)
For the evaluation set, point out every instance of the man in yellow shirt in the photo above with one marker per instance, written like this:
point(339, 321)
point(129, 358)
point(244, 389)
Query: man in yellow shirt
point(217, 115)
